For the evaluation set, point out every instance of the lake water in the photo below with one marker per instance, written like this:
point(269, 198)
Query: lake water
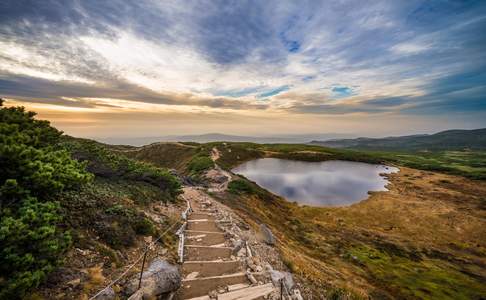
point(327, 183)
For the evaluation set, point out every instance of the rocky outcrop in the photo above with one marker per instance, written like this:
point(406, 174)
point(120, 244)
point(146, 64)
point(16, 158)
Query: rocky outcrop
point(107, 294)
point(268, 236)
point(160, 277)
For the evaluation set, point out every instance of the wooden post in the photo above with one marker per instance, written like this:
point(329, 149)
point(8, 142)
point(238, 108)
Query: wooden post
point(141, 271)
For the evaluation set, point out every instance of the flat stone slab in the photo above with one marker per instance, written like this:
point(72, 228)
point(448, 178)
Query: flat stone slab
point(204, 253)
point(208, 269)
point(195, 216)
point(201, 287)
point(203, 226)
point(204, 239)
point(249, 293)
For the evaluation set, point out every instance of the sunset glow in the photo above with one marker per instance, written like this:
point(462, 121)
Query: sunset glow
point(334, 66)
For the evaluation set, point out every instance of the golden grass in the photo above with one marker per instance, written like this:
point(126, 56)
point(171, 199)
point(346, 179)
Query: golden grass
point(424, 238)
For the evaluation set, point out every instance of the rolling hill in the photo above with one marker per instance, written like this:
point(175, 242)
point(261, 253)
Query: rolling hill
point(445, 140)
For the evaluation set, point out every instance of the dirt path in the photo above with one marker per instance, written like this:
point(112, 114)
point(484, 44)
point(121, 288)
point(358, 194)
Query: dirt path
point(215, 155)
point(218, 262)
point(219, 178)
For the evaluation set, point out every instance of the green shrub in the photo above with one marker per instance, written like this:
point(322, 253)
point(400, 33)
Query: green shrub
point(241, 186)
point(200, 163)
point(116, 234)
point(143, 226)
point(32, 173)
point(139, 223)
point(103, 162)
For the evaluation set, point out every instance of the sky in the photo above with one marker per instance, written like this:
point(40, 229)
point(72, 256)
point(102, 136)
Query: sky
point(152, 68)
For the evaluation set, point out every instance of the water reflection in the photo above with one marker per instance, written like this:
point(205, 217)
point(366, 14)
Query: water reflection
point(327, 183)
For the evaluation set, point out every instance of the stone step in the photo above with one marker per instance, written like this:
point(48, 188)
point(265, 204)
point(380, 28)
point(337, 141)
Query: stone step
point(202, 231)
point(249, 293)
point(204, 239)
point(231, 288)
point(193, 216)
point(204, 211)
point(207, 269)
point(202, 286)
point(206, 253)
point(203, 226)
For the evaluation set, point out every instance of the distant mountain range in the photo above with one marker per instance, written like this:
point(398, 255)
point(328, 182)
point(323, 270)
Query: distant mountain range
point(218, 137)
point(445, 140)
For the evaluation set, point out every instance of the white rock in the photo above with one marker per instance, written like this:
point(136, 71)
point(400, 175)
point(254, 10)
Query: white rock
point(160, 277)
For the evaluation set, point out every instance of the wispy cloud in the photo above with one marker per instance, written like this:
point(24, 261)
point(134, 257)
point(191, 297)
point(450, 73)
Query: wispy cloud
point(313, 57)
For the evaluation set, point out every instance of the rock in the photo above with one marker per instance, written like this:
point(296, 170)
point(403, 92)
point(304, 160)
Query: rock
point(296, 295)
point(251, 278)
point(138, 295)
point(241, 253)
point(74, 282)
point(277, 276)
point(252, 267)
point(268, 236)
point(107, 294)
point(237, 246)
point(220, 179)
point(160, 277)
point(147, 239)
point(268, 267)
point(162, 252)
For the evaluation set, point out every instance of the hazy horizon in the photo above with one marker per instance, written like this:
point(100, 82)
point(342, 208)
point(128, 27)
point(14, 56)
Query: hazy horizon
point(215, 137)
point(137, 69)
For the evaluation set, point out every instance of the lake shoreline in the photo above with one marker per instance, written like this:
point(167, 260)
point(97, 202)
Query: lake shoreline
point(319, 184)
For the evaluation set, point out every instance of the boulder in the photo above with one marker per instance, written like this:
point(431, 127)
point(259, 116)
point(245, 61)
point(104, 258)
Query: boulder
point(237, 245)
point(278, 276)
point(268, 236)
point(107, 294)
point(160, 277)
point(220, 179)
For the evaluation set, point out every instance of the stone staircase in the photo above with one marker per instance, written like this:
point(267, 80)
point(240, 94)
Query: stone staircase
point(211, 268)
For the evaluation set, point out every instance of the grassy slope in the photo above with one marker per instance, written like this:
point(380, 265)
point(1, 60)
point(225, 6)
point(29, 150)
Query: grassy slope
point(167, 155)
point(423, 239)
point(108, 217)
point(470, 164)
point(186, 158)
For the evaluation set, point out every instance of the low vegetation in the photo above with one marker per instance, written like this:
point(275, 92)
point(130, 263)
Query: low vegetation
point(32, 173)
point(471, 164)
point(166, 155)
point(58, 192)
point(199, 164)
point(422, 239)
point(109, 164)
point(61, 196)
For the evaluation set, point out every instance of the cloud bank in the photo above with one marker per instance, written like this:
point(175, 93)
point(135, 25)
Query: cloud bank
point(422, 59)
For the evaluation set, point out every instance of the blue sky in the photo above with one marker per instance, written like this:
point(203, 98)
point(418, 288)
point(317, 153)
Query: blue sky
point(240, 66)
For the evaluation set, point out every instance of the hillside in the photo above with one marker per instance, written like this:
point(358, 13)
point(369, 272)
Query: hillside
point(445, 140)
point(73, 211)
point(76, 212)
point(421, 240)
